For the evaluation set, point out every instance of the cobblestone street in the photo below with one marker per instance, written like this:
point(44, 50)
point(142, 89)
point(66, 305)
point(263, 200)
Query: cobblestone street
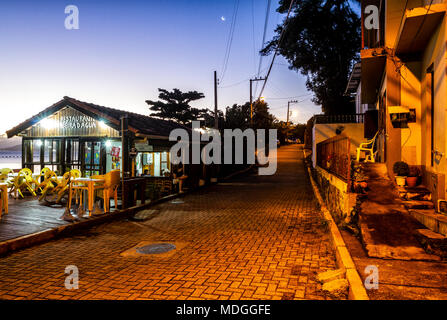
point(253, 237)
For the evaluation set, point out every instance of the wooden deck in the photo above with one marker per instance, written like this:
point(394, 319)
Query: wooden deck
point(28, 216)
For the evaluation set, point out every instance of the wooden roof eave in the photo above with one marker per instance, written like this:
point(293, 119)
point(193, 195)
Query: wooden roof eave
point(417, 28)
point(34, 120)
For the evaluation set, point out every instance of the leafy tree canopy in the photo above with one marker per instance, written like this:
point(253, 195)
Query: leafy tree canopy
point(321, 40)
point(238, 116)
point(174, 105)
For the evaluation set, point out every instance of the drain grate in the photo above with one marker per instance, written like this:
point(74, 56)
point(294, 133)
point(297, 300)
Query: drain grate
point(156, 248)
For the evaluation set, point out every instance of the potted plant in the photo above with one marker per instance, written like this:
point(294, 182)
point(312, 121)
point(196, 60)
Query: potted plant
point(401, 170)
point(413, 176)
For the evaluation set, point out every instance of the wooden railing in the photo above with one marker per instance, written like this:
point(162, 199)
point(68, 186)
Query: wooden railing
point(133, 190)
point(138, 190)
point(340, 118)
point(334, 156)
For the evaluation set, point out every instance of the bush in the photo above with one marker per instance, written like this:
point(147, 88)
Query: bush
point(401, 169)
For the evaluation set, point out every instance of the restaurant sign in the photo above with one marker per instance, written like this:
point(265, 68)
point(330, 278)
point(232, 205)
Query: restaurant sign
point(78, 122)
point(71, 122)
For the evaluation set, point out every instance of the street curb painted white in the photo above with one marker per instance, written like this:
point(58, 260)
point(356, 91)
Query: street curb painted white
point(344, 261)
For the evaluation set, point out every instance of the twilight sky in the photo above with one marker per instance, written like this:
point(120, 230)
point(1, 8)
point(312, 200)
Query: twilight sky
point(125, 50)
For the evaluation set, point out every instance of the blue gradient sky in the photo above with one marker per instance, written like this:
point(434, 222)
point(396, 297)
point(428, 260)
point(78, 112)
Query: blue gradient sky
point(125, 50)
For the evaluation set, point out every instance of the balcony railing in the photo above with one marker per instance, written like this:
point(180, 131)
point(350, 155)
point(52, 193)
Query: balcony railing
point(333, 155)
point(340, 118)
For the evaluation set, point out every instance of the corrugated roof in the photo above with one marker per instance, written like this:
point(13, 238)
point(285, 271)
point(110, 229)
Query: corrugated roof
point(137, 123)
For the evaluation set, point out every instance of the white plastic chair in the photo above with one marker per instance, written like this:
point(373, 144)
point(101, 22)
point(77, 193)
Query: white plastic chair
point(368, 148)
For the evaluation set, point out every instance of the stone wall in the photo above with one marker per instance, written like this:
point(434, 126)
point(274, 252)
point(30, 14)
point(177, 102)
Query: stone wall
point(335, 193)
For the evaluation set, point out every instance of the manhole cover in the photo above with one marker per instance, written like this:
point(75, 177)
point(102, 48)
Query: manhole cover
point(156, 248)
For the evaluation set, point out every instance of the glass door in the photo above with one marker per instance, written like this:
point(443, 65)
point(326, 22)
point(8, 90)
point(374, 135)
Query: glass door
point(92, 158)
point(157, 167)
point(72, 159)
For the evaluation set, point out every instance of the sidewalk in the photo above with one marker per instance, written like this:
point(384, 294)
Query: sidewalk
point(400, 279)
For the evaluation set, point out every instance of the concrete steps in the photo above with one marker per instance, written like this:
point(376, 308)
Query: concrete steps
point(387, 230)
point(416, 193)
point(418, 204)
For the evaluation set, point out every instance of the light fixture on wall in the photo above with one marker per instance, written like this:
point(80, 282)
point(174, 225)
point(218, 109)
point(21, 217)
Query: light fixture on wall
point(102, 125)
point(48, 123)
point(108, 143)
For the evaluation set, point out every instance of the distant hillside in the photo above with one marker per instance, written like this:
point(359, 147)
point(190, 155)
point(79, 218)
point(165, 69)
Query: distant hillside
point(14, 144)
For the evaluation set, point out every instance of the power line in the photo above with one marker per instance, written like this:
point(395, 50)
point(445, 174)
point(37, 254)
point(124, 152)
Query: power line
point(230, 39)
point(266, 22)
point(303, 95)
point(277, 47)
point(239, 82)
point(253, 32)
point(286, 106)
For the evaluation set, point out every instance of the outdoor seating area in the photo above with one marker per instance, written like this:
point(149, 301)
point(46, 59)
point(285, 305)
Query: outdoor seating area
point(49, 189)
point(31, 203)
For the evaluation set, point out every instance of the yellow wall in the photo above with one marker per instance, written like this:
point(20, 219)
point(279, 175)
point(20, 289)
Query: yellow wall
point(415, 142)
point(411, 98)
point(435, 53)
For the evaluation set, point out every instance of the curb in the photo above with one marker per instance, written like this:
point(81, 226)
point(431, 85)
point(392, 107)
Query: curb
point(343, 258)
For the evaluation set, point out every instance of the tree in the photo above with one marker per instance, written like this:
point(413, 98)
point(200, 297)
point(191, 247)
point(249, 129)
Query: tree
point(282, 129)
point(321, 40)
point(262, 118)
point(208, 118)
point(298, 132)
point(238, 116)
point(174, 105)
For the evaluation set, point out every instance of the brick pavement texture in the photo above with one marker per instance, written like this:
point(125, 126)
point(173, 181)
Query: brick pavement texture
point(254, 237)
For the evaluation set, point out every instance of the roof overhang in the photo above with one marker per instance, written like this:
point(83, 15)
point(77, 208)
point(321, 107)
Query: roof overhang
point(66, 102)
point(373, 66)
point(354, 79)
point(418, 26)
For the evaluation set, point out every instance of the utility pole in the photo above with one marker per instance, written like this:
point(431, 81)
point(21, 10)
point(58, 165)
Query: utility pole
point(288, 107)
point(216, 118)
point(288, 112)
point(251, 98)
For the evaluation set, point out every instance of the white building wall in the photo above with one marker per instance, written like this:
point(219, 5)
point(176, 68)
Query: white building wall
point(321, 132)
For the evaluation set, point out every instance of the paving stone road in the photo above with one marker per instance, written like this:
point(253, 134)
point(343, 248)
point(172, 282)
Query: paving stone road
point(254, 237)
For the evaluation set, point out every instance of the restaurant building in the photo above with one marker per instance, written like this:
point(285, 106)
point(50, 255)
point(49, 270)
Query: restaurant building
point(94, 139)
